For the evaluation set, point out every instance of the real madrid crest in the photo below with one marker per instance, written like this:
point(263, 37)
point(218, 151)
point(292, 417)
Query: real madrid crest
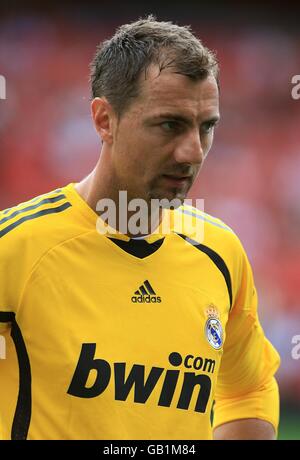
point(213, 328)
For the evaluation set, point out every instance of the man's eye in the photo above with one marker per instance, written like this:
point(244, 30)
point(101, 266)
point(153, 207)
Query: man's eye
point(208, 127)
point(170, 126)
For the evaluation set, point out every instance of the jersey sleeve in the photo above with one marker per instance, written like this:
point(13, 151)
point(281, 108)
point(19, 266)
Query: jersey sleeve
point(16, 259)
point(246, 385)
point(9, 285)
point(27, 232)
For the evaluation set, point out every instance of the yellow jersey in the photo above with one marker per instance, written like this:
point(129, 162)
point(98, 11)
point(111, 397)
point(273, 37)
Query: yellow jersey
point(108, 337)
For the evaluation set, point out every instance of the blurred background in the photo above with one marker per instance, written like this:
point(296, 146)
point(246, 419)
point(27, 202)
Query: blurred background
point(251, 179)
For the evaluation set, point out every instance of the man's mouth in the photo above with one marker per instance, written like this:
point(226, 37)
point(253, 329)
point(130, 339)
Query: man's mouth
point(176, 180)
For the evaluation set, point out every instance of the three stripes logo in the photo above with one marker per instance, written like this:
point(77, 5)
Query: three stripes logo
point(39, 206)
point(145, 294)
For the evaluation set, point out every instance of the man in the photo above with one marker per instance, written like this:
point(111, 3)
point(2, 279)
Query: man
point(124, 334)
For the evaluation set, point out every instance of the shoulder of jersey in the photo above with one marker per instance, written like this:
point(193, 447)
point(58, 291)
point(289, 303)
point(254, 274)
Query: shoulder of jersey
point(44, 220)
point(209, 229)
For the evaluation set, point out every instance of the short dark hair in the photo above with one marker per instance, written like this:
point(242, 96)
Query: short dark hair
point(119, 61)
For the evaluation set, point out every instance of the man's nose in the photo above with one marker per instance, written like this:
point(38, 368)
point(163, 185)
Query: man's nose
point(189, 149)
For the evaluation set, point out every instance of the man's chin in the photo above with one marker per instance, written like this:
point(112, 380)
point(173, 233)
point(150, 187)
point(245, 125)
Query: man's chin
point(171, 198)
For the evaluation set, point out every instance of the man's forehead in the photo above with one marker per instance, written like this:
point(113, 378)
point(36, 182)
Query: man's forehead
point(171, 90)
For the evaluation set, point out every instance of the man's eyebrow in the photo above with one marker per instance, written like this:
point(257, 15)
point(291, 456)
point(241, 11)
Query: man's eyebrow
point(213, 119)
point(183, 118)
point(173, 116)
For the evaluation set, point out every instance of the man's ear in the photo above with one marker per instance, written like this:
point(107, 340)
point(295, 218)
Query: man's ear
point(102, 114)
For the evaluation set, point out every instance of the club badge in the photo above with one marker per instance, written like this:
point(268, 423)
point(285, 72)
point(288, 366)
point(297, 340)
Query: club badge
point(213, 327)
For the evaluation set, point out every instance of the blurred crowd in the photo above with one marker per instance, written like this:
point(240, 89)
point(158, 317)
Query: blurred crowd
point(252, 175)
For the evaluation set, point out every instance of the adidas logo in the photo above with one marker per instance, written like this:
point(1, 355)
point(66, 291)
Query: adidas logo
point(145, 294)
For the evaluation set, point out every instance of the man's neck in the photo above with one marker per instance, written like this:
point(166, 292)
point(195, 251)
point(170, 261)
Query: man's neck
point(94, 188)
